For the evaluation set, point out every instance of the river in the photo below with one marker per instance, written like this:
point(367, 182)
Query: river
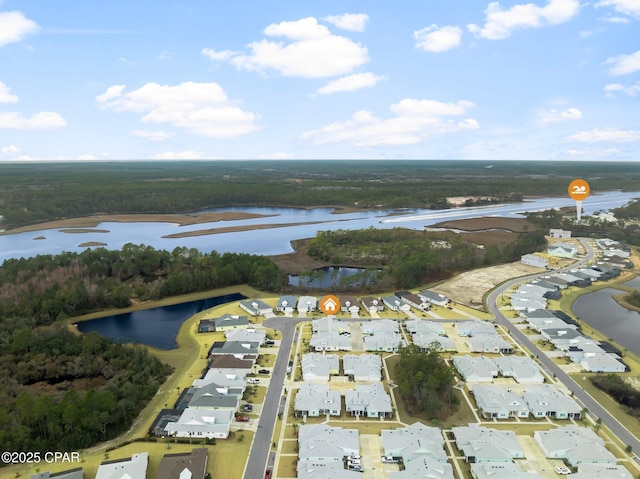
point(275, 240)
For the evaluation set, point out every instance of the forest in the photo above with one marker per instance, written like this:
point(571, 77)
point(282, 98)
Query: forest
point(411, 258)
point(622, 392)
point(425, 382)
point(35, 193)
point(67, 391)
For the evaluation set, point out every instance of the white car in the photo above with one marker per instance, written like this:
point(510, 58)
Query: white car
point(253, 381)
point(563, 470)
point(389, 460)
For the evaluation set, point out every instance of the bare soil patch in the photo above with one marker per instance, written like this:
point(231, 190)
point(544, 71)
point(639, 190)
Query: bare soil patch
point(298, 261)
point(516, 225)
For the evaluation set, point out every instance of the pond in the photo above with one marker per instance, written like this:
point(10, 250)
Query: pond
point(342, 278)
point(156, 327)
point(600, 311)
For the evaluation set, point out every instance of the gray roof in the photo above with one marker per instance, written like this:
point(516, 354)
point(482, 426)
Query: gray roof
point(474, 327)
point(201, 422)
point(488, 343)
point(425, 340)
point(602, 471)
point(520, 368)
point(432, 296)
point(323, 441)
point(330, 341)
point(546, 398)
point(424, 326)
point(472, 368)
point(76, 473)
point(502, 470)
point(362, 366)
point(576, 444)
point(317, 397)
point(602, 362)
point(214, 396)
point(496, 399)
point(255, 306)
point(134, 467)
point(414, 440)
point(368, 397)
point(172, 466)
point(287, 301)
point(380, 326)
point(487, 444)
point(316, 365)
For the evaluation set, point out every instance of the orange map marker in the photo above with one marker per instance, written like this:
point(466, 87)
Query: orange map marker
point(579, 190)
point(329, 304)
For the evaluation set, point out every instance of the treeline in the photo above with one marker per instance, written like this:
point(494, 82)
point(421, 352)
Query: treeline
point(45, 288)
point(621, 392)
point(35, 193)
point(61, 391)
point(412, 257)
point(633, 299)
point(425, 382)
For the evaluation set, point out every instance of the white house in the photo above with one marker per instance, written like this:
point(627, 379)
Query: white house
point(330, 341)
point(602, 363)
point(559, 233)
point(428, 340)
point(376, 326)
point(498, 402)
point(521, 368)
point(489, 343)
point(478, 369)
point(370, 400)
point(319, 367)
point(534, 260)
point(314, 400)
point(132, 468)
point(424, 326)
point(372, 305)
point(577, 445)
point(544, 400)
point(256, 307)
point(362, 367)
point(434, 298)
point(287, 304)
point(387, 342)
point(481, 445)
point(395, 304)
point(307, 304)
point(201, 423)
point(562, 250)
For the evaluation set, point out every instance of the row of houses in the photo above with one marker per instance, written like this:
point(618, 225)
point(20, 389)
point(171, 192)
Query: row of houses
point(191, 465)
point(482, 369)
point(358, 367)
point(322, 451)
point(365, 400)
point(614, 254)
point(330, 334)
point(482, 337)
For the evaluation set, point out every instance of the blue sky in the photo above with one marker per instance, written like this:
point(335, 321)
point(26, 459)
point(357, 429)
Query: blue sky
point(468, 79)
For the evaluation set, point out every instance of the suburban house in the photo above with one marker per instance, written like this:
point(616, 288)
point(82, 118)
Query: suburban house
point(385, 342)
point(480, 444)
point(422, 466)
point(477, 369)
point(519, 303)
point(395, 304)
point(134, 467)
point(372, 305)
point(191, 465)
point(582, 347)
point(327, 323)
point(489, 343)
point(241, 350)
point(228, 361)
point(76, 473)
point(602, 471)
point(319, 367)
point(521, 368)
point(307, 304)
point(545, 400)
point(287, 304)
point(362, 367)
point(427, 341)
point(322, 449)
point(216, 397)
point(370, 400)
point(498, 402)
point(602, 363)
point(424, 326)
point(434, 298)
point(576, 445)
point(227, 377)
point(380, 326)
point(349, 304)
point(246, 335)
point(314, 400)
point(256, 307)
point(561, 338)
point(330, 341)
point(538, 324)
point(562, 250)
point(575, 280)
point(473, 328)
point(413, 441)
point(414, 300)
point(225, 322)
point(559, 233)
point(534, 260)
point(201, 423)
point(501, 470)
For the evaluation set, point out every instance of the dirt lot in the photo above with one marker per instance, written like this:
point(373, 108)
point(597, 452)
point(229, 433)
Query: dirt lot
point(469, 288)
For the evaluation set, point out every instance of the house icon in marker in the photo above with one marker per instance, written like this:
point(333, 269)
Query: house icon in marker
point(330, 304)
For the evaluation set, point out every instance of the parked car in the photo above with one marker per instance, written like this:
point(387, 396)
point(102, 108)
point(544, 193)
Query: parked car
point(288, 369)
point(563, 471)
point(355, 467)
point(269, 342)
point(242, 418)
point(389, 460)
point(354, 462)
point(253, 381)
point(246, 408)
point(267, 474)
point(264, 371)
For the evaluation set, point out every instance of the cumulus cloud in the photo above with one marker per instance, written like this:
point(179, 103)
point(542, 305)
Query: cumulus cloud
point(626, 7)
point(415, 121)
point(178, 155)
point(354, 22)
point(14, 26)
point(303, 48)
point(501, 23)
point(624, 64)
point(218, 55)
point(5, 96)
point(157, 135)
point(437, 39)
point(608, 134)
point(613, 88)
point(617, 20)
point(351, 83)
point(45, 120)
point(554, 116)
point(200, 108)
point(9, 150)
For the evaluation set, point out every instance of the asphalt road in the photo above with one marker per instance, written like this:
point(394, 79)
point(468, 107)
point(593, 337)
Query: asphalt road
point(594, 407)
point(261, 446)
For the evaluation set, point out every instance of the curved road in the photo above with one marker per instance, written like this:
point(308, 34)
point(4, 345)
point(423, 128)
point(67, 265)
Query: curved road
point(594, 407)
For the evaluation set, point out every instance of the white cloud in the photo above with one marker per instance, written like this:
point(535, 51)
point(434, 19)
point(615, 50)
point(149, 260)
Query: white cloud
point(596, 153)
point(153, 135)
point(309, 50)
point(112, 92)
point(501, 23)
point(218, 56)
point(624, 64)
point(281, 155)
point(9, 150)
point(415, 121)
point(608, 134)
point(351, 83)
point(5, 96)
point(354, 22)
point(435, 39)
point(617, 20)
point(201, 108)
point(632, 90)
point(45, 120)
point(14, 26)
point(554, 116)
point(178, 155)
point(626, 7)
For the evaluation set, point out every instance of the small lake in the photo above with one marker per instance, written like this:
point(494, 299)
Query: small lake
point(634, 283)
point(600, 311)
point(342, 278)
point(156, 327)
